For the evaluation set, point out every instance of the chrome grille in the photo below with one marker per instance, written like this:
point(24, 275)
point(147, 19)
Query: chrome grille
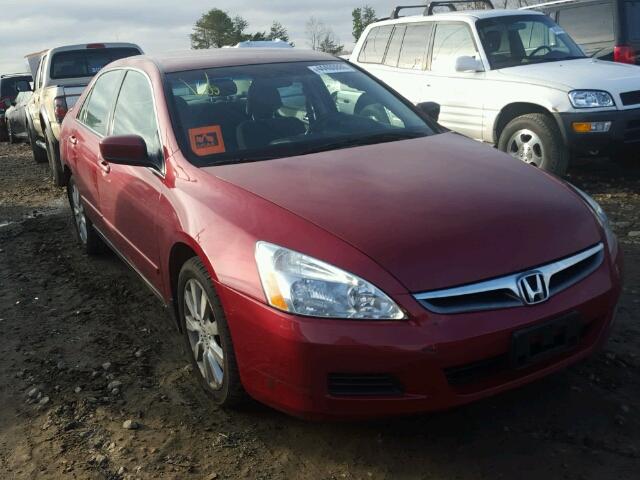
point(505, 292)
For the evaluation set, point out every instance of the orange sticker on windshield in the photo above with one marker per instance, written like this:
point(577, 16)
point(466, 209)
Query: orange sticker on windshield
point(206, 140)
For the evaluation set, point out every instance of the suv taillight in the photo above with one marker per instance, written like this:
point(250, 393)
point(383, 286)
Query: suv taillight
point(60, 108)
point(624, 54)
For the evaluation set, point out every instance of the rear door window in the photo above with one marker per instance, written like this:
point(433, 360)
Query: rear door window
point(96, 109)
point(632, 14)
point(413, 54)
point(87, 62)
point(452, 40)
point(375, 45)
point(393, 51)
point(588, 24)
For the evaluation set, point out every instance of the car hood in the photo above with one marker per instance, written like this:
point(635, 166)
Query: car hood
point(579, 74)
point(434, 212)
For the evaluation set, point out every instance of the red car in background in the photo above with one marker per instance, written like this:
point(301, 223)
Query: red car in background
point(324, 245)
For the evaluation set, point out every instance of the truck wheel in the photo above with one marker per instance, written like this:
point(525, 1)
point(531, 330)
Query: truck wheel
point(88, 238)
point(12, 139)
point(39, 155)
point(53, 156)
point(534, 138)
point(207, 335)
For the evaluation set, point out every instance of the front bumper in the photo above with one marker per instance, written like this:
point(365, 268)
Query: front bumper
point(624, 131)
point(287, 361)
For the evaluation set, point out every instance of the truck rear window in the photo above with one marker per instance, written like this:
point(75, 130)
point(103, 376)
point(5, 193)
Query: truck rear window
point(632, 10)
point(86, 63)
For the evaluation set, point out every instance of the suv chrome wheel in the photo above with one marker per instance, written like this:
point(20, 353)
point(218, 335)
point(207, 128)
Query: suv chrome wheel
point(202, 331)
point(78, 213)
point(527, 146)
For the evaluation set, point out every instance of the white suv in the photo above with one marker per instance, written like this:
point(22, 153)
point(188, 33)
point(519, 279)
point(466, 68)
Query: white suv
point(512, 78)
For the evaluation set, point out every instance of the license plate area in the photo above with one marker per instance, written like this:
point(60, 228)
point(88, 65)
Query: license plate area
point(534, 344)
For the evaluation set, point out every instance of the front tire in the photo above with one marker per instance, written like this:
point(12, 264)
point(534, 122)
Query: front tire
point(88, 239)
point(207, 335)
point(534, 138)
point(10, 137)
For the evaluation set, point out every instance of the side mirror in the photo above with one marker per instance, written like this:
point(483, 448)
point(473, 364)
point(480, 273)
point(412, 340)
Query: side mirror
point(430, 109)
point(125, 150)
point(468, 64)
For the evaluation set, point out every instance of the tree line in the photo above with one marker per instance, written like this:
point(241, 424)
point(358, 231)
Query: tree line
point(216, 29)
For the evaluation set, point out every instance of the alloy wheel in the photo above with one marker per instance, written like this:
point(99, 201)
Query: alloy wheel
point(202, 331)
point(527, 146)
point(78, 213)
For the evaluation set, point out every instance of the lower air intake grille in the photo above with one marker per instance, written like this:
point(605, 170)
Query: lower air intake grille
point(358, 385)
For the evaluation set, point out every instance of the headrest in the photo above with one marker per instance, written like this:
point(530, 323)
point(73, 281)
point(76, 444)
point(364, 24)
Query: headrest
point(263, 98)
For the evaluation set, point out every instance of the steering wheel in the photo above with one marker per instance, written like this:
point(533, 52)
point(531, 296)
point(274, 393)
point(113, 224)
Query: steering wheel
point(541, 47)
point(324, 121)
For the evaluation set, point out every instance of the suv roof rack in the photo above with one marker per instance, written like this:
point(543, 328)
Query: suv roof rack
point(428, 8)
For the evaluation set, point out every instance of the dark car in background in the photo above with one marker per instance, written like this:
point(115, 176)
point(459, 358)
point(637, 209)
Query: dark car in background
point(16, 118)
point(10, 86)
point(605, 29)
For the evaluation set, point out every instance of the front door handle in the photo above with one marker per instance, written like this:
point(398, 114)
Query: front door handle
point(73, 140)
point(104, 166)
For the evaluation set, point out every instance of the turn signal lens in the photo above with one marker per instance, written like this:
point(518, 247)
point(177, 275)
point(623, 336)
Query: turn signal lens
point(589, 127)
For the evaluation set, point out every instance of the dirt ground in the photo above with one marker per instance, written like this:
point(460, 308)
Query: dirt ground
point(86, 347)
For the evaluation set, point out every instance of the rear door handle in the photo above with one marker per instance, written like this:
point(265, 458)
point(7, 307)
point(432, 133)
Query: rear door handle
point(104, 166)
point(73, 140)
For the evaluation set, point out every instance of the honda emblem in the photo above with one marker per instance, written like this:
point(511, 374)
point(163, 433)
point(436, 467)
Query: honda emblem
point(533, 288)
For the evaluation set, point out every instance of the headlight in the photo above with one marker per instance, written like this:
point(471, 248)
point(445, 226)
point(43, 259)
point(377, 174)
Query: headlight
point(590, 99)
point(612, 242)
point(302, 285)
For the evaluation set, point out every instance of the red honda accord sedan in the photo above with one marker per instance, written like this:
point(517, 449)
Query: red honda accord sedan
point(324, 246)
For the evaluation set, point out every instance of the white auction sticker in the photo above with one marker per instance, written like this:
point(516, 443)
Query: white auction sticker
point(557, 30)
point(328, 68)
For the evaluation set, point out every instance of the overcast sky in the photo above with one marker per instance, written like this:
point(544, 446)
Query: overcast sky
point(156, 25)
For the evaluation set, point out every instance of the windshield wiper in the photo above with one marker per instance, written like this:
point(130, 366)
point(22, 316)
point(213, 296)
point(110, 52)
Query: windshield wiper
point(362, 141)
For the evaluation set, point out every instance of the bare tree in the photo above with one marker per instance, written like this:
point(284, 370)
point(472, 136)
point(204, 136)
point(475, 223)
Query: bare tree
point(315, 31)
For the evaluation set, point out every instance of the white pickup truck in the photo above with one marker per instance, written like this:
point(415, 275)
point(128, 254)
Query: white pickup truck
point(512, 78)
point(60, 76)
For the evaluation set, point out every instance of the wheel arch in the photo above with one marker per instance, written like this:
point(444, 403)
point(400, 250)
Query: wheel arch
point(513, 110)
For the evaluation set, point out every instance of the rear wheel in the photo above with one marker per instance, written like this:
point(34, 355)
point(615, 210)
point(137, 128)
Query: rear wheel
point(88, 238)
point(53, 156)
point(11, 137)
point(534, 139)
point(207, 335)
point(39, 155)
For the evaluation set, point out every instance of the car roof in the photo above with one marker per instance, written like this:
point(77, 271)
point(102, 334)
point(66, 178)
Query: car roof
point(557, 3)
point(14, 75)
point(225, 57)
point(458, 15)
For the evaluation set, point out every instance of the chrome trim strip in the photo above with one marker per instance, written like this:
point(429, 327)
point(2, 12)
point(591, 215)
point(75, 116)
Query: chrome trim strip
point(510, 282)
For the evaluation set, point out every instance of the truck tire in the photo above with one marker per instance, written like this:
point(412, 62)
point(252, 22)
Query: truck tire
point(10, 137)
point(534, 138)
point(39, 155)
point(53, 156)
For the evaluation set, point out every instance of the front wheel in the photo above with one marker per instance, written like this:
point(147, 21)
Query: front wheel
point(534, 138)
point(11, 137)
point(39, 155)
point(53, 156)
point(207, 335)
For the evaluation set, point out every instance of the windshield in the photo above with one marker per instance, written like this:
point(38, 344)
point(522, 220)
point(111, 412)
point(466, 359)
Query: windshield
point(88, 62)
point(516, 40)
point(259, 112)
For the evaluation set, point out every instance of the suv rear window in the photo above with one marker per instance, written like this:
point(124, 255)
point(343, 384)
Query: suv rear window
point(589, 23)
point(11, 86)
point(632, 13)
point(86, 63)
